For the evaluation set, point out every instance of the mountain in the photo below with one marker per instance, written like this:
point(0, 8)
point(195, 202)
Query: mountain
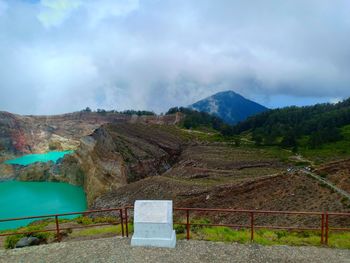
point(229, 106)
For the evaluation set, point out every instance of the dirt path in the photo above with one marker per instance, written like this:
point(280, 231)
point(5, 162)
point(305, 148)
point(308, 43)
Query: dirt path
point(329, 184)
point(118, 250)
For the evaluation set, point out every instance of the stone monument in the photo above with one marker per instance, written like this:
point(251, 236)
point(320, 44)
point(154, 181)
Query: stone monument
point(153, 224)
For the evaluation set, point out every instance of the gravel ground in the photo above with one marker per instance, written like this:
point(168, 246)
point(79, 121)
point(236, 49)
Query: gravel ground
point(119, 250)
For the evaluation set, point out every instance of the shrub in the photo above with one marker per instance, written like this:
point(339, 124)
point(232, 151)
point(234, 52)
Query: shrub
point(195, 228)
point(180, 229)
point(11, 241)
point(281, 234)
point(105, 219)
point(84, 220)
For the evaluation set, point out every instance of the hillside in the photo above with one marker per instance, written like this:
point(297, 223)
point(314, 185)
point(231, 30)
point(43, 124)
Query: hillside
point(229, 106)
point(35, 134)
point(128, 158)
point(81, 132)
point(213, 174)
point(320, 129)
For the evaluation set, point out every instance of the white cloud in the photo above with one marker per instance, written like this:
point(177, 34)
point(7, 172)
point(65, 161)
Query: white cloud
point(55, 12)
point(99, 10)
point(335, 100)
point(64, 55)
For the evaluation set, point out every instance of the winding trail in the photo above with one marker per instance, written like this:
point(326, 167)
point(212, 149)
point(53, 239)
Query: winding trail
point(329, 184)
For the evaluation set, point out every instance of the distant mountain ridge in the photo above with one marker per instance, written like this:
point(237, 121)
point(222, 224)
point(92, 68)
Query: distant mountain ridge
point(229, 106)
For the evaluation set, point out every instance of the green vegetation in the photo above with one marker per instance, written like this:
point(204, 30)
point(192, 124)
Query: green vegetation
point(97, 231)
point(85, 220)
point(138, 112)
point(201, 120)
point(328, 151)
point(10, 241)
point(264, 236)
point(127, 112)
point(197, 232)
point(310, 127)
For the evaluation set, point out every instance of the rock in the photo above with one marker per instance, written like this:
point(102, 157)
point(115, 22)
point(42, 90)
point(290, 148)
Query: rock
point(28, 241)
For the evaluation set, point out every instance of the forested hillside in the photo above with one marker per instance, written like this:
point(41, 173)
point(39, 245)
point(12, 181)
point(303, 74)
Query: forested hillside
point(194, 119)
point(310, 126)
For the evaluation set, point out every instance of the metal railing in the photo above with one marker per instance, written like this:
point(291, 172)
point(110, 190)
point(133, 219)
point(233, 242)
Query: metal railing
point(124, 215)
point(58, 229)
point(324, 227)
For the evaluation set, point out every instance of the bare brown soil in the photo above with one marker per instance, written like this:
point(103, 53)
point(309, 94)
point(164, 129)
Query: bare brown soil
point(338, 173)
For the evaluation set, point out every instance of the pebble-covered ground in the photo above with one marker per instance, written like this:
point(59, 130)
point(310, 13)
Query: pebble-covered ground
point(119, 250)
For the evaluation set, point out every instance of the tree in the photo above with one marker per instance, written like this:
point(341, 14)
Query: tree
point(101, 111)
point(258, 140)
point(237, 141)
point(87, 109)
point(289, 140)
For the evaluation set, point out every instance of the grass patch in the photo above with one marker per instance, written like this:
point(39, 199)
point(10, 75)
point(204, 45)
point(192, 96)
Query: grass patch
point(267, 237)
point(11, 241)
point(329, 151)
point(96, 231)
point(101, 230)
point(339, 240)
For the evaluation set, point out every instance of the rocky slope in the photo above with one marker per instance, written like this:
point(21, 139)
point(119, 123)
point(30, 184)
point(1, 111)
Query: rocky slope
point(37, 134)
point(117, 154)
point(140, 158)
point(337, 172)
point(218, 175)
point(103, 159)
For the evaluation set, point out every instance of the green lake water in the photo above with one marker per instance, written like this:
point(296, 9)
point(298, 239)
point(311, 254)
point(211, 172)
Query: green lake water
point(23, 199)
point(44, 157)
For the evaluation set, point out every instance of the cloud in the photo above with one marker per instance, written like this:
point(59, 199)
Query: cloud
point(64, 55)
point(55, 12)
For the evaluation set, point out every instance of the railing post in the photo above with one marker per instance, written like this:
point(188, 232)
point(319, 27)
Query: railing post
point(327, 230)
point(126, 222)
point(187, 224)
point(251, 226)
point(121, 221)
point(322, 229)
point(57, 229)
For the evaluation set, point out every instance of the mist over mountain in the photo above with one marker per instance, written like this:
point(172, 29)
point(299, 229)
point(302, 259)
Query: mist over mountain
point(229, 106)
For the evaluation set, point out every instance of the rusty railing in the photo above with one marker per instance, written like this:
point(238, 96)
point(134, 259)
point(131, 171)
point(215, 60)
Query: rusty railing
point(124, 215)
point(58, 229)
point(323, 228)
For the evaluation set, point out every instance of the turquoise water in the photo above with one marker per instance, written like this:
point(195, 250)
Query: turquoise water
point(23, 199)
point(43, 157)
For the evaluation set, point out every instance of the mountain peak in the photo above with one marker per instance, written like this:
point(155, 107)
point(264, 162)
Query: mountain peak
point(229, 105)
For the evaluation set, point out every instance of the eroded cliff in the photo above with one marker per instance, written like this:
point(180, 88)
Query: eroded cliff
point(117, 154)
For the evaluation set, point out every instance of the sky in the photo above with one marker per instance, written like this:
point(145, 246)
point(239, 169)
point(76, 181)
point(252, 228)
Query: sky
point(61, 56)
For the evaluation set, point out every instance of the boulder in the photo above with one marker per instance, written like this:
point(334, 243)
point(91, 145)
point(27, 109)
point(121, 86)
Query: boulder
point(28, 241)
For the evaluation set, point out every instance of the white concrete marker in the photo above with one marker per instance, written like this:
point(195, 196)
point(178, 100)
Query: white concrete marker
point(153, 224)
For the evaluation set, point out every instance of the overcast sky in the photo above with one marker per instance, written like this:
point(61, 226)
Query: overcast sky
point(63, 55)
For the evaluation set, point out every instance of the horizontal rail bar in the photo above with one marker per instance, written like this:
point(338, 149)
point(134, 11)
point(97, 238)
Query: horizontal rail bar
point(254, 211)
point(64, 228)
point(255, 226)
point(339, 229)
point(64, 214)
point(25, 233)
point(249, 211)
point(338, 214)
